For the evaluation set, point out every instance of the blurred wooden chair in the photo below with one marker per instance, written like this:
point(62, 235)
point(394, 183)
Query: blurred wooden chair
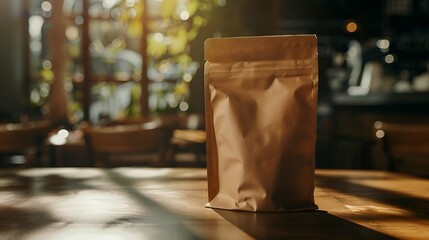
point(405, 146)
point(25, 139)
point(129, 121)
point(183, 134)
point(125, 145)
point(188, 137)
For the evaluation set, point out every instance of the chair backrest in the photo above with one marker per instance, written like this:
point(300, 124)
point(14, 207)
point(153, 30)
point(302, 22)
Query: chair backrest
point(25, 139)
point(183, 121)
point(123, 140)
point(18, 137)
point(406, 146)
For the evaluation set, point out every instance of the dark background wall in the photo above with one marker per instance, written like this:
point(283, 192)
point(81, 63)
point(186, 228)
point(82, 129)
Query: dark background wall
point(12, 62)
point(403, 22)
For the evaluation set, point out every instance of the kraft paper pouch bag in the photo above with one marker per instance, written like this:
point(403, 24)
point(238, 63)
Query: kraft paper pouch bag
point(260, 103)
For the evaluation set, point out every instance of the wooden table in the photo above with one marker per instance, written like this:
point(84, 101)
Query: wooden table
point(165, 203)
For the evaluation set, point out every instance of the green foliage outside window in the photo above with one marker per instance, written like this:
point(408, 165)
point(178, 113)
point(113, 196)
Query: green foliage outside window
point(172, 26)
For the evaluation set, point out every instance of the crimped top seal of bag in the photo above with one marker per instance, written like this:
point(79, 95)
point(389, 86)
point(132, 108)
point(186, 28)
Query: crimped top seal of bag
point(283, 47)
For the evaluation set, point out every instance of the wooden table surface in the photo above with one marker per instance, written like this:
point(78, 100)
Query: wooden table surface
point(165, 203)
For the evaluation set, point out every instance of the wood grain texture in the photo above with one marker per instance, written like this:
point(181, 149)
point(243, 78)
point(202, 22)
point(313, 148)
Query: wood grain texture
point(165, 203)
